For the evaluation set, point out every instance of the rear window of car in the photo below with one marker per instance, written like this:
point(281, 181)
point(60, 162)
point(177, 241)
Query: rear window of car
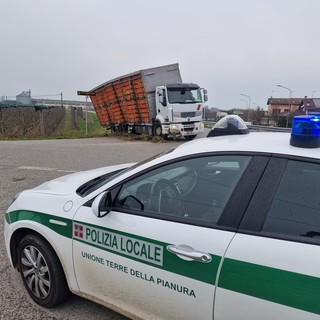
point(295, 209)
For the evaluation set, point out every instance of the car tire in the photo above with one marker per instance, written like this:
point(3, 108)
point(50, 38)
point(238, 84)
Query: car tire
point(41, 271)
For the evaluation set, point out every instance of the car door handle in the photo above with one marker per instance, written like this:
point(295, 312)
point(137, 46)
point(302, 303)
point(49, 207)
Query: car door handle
point(188, 253)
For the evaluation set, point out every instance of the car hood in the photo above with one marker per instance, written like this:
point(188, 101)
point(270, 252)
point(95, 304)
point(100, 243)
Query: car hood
point(69, 183)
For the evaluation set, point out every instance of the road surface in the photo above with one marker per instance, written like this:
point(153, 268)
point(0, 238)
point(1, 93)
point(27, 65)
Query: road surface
point(26, 164)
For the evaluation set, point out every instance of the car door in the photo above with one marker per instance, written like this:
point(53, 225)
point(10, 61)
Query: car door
point(157, 253)
point(272, 267)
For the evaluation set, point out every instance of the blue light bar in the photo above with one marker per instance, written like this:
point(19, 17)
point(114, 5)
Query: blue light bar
point(306, 131)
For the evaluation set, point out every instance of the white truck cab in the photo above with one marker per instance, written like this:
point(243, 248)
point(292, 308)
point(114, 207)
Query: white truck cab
point(180, 109)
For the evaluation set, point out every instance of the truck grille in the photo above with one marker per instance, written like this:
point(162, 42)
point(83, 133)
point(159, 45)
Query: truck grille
point(188, 114)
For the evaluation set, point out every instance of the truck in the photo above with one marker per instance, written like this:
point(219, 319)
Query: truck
point(152, 101)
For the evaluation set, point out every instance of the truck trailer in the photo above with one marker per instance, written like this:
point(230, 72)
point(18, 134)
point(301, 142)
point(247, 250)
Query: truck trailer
point(152, 101)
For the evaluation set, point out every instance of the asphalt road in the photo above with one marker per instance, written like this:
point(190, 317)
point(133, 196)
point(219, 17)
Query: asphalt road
point(26, 164)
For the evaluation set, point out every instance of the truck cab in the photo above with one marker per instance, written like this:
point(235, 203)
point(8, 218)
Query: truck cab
point(180, 110)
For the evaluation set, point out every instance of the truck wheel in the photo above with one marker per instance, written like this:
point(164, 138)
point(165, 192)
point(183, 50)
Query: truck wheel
point(190, 137)
point(157, 130)
point(41, 272)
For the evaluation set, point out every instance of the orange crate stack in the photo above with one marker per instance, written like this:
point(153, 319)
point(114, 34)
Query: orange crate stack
point(122, 101)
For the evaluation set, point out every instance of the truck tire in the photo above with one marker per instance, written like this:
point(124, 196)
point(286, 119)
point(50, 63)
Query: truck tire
point(157, 130)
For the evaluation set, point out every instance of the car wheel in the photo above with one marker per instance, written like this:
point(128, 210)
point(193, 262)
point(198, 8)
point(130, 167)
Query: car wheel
point(41, 272)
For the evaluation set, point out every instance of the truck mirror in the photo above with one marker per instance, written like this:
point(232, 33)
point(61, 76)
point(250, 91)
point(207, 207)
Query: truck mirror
point(204, 94)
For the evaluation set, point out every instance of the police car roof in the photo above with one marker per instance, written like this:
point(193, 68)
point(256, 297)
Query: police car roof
point(265, 142)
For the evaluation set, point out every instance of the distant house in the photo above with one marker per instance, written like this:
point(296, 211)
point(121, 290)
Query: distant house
point(286, 106)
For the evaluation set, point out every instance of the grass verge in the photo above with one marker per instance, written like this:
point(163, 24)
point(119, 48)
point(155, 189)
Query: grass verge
point(93, 128)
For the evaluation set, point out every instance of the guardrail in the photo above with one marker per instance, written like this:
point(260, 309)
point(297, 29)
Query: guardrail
point(252, 127)
point(268, 128)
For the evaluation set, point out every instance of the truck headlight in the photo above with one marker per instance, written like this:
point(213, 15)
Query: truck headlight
point(174, 128)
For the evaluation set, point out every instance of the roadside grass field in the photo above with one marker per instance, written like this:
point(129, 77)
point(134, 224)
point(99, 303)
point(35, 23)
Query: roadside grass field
point(66, 128)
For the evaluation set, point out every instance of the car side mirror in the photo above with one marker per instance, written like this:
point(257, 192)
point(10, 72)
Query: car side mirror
point(101, 205)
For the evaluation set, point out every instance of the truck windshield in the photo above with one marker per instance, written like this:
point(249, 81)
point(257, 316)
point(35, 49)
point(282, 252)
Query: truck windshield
point(184, 95)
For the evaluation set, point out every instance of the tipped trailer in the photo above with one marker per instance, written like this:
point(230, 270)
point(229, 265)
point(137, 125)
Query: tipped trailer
point(152, 101)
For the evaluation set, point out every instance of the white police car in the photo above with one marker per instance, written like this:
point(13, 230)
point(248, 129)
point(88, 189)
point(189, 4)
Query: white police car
point(224, 227)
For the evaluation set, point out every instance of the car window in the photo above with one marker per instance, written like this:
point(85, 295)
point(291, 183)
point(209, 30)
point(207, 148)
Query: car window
point(196, 188)
point(295, 209)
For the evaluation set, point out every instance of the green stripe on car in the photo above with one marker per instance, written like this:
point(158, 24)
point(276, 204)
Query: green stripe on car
point(280, 286)
point(50, 221)
point(170, 262)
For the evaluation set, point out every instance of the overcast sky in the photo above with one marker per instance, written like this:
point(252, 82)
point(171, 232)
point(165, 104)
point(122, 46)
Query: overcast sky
point(227, 46)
